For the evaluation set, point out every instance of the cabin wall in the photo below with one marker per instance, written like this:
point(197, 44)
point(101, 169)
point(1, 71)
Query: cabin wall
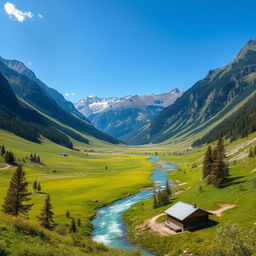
point(175, 221)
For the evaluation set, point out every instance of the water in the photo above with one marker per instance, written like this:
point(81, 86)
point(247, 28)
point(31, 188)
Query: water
point(109, 228)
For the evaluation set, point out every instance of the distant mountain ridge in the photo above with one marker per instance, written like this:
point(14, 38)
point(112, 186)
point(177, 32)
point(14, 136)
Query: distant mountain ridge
point(122, 117)
point(210, 99)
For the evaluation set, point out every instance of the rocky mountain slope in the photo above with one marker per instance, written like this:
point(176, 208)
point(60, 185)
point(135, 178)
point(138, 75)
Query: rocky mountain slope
point(122, 117)
point(206, 102)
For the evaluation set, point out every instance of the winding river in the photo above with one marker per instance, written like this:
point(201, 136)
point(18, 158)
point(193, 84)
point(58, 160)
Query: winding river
point(109, 228)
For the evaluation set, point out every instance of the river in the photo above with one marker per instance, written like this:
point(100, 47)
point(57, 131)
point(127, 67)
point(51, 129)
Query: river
point(109, 228)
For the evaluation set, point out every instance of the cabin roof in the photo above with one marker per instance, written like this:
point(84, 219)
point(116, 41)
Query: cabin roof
point(181, 210)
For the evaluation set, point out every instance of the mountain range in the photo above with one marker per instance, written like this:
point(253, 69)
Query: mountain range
point(48, 106)
point(206, 104)
point(122, 117)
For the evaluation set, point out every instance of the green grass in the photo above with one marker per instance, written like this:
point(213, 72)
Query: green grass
point(77, 181)
point(241, 190)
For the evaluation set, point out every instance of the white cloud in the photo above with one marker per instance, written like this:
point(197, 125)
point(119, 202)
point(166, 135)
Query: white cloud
point(67, 94)
point(40, 15)
point(15, 13)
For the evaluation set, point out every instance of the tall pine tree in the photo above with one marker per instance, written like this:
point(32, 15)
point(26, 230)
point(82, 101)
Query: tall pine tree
point(15, 202)
point(207, 162)
point(72, 226)
point(46, 215)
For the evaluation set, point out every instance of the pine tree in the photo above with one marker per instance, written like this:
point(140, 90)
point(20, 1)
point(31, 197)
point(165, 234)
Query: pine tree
point(251, 152)
point(38, 160)
point(2, 150)
point(72, 226)
point(106, 167)
point(220, 170)
point(167, 188)
point(35, 185)
point(15, 202)
point(9, 157)
point(79, 224)
point(67, 214)
point(207, 162)
point(46, 215)
point(38, 187)
point(155, 202)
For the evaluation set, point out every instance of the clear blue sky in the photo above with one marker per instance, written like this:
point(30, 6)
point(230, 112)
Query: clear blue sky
point(122, 47)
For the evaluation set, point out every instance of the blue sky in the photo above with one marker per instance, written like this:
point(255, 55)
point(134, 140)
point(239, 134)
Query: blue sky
point(122, 47)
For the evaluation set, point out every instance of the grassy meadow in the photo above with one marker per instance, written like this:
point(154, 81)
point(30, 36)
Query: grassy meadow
point(240, 190)
point(80, 182)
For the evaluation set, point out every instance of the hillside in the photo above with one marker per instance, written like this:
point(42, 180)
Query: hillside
point(123, 117)
point(206, 102)
point(29, 91)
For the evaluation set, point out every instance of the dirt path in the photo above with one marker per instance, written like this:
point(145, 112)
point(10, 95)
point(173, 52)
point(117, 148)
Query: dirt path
point(153, 225)
point(6, 167)
point(223, 208)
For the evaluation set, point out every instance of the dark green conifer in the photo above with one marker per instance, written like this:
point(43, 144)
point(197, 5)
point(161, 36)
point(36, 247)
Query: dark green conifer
point(38, 187)
point(168, 188)
point(67, 214)
point(79, 224)
point(72, 226)
point(155, 202)
point(35, 185)
point(2, 150)
point(207, 162)
point(46, 215)
point(15, 202)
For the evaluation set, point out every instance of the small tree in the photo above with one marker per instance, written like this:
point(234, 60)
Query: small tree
point(251, 153)
point(168, 188)
point(38, 187)
point(155, 201)
point(9, 157)
point(106, 167)
point(207, 163)
point(2, 150)
point(79, 224)
point(15, 202)
point(46, 215)
point(38, 160)
point(67, 214)
point(72, 226)
point(35, 185)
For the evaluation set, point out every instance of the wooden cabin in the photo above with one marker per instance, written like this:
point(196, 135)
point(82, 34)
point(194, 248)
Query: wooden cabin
point(182, 216)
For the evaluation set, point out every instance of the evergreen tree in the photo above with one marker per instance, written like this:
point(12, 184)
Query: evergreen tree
point(2, 150)
point(106, 167)
point(38, 160)
point(168, 188)
point(72, 226)
point(220, 170)
point(35, 185)
point(155, 202)
point(251, 152)
point(15, 202)
point(79, 224)
point(207, 162)
point(163, 198)
point(67, 214)
point(39, 187)
point(9, 157)
point(46, 215)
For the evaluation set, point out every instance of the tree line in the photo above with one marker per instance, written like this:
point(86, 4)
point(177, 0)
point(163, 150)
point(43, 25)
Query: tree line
point(215, 169)
point(17, 202)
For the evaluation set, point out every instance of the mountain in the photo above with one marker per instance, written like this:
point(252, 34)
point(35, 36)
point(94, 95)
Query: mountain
point(122, 117)
point(22, 69)
point(25, 122)
point(34, 95)
point(222, 91)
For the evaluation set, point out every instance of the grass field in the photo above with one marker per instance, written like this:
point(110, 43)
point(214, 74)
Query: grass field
point(240, 190)
point(78, 182)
